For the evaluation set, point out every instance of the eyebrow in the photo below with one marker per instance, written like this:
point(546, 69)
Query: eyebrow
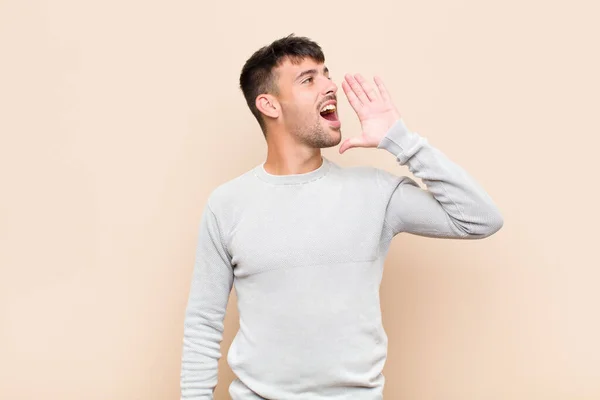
point(310, 72)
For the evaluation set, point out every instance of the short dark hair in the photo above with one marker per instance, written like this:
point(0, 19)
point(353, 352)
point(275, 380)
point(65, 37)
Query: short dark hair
point(257, 75)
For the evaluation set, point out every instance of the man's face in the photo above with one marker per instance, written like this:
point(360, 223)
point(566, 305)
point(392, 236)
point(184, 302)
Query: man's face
point(305, 90)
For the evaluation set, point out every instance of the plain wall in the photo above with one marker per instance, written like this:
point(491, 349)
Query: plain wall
point(118, 118)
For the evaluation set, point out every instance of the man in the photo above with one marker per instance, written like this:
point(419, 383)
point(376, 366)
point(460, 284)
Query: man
point(303, 240)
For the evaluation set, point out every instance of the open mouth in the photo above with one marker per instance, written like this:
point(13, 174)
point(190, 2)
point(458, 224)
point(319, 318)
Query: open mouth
point(329, 112)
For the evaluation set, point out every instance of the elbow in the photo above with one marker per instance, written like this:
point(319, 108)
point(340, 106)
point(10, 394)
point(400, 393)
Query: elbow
point(494, 223)
point(491, 223)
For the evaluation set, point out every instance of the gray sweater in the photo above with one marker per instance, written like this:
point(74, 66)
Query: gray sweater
point(305, 254)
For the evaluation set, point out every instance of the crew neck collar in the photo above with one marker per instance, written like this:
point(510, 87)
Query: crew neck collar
point(292, 179)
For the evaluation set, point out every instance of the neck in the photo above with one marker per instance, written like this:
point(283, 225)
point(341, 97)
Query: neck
point(281, 175)
point(299, 161)
point(286, 156)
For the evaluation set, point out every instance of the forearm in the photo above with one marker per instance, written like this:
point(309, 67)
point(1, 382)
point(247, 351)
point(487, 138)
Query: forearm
point(210, 288)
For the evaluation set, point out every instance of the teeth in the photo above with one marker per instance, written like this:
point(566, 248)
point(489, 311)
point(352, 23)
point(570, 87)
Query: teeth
point(330, 107)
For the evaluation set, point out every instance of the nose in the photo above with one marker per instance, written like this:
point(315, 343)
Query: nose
point(330, 87)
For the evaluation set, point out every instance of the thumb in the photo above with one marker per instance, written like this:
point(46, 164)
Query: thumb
point(352, 142)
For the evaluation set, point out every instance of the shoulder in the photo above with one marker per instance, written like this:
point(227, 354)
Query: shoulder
point(382, 178)
point(227, 201)
point(229, 193)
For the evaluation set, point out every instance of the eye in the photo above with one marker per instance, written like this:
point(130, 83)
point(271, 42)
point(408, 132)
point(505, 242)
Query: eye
point(308, 79)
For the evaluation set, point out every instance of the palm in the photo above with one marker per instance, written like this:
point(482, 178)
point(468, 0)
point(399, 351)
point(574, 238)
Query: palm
point(373, 118)
point(374, 109)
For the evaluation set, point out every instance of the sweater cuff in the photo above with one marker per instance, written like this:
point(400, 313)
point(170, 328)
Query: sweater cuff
point(401, 142)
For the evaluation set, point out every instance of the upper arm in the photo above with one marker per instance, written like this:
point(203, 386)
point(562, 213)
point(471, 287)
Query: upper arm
point(411, 209)
point(414, 210)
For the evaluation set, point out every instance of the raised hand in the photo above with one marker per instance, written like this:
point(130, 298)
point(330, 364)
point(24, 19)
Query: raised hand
point(374, 108)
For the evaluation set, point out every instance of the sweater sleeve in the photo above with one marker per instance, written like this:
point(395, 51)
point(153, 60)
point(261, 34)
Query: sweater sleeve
point(454, 204)
point(211, 284)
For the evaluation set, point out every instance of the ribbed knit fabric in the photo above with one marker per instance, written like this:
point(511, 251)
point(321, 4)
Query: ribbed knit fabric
point(305, 254)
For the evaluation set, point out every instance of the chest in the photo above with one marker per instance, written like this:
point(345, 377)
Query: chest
point(300, 228)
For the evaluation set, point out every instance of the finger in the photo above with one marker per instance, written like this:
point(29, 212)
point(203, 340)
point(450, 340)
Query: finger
point(356, 88)
point(356, 104)
point(367, 88)
point(385, 96)
point(352, 142)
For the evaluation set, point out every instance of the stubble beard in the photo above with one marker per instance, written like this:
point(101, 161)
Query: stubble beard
point(315, 135)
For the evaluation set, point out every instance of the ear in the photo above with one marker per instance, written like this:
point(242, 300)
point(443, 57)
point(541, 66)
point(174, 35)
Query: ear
point(268, 105)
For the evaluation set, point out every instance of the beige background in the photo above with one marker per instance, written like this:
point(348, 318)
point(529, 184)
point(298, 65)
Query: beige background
point(117, 119)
